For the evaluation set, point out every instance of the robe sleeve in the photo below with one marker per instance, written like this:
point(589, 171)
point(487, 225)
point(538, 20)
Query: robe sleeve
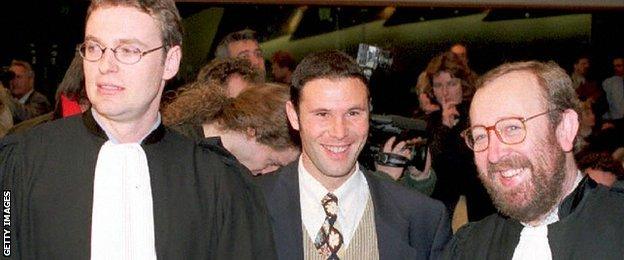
point(454, 249)
point(10, 175)
point(244, 230)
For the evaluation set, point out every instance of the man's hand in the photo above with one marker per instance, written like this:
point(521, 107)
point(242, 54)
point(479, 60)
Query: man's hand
point(402, 148)
point(417, 174)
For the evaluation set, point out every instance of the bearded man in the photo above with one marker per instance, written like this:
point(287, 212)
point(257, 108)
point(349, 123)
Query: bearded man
point(524, 121)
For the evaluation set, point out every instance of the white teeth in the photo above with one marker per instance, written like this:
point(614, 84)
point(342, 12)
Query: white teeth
point(511, 173)
point(336, 149)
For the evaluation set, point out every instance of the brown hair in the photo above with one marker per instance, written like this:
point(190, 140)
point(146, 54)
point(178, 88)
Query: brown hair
point(163, 11)
point(451, 63)
point(261, 108)
point(332, 64)
point(220, 70)
point(557, 91)
point(601, 161)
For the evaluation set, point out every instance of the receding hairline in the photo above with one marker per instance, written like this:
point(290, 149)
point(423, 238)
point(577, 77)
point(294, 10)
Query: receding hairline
point(541, 91)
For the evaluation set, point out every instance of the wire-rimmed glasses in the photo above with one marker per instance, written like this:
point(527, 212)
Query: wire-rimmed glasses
point(125, 53)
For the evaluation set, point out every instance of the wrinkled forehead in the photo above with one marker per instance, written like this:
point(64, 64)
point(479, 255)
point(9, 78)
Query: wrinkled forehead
point(514, 94)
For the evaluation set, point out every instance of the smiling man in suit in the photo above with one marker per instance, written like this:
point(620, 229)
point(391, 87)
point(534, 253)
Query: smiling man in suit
point(324, 206)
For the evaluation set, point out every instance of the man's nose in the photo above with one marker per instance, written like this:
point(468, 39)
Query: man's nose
point(108, 62)
point(496, 149)
point(338, 128)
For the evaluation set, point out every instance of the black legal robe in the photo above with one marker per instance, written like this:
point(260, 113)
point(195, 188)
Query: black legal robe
point(590, 226)
point(203, 209)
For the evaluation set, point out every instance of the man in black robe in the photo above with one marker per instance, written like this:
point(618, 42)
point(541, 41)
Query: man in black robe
point(114, 183)
point(524, 121)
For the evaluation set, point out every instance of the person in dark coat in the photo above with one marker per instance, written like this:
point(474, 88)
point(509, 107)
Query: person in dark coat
point(114, 183)
point(524, 120)
point(324, 206)
point(450, 84)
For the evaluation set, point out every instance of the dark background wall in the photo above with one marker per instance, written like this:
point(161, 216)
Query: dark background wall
point(45, 33)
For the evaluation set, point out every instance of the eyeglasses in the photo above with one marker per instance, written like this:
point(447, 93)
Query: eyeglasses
point(511, 130)
point(126, 54)
point(451, 83)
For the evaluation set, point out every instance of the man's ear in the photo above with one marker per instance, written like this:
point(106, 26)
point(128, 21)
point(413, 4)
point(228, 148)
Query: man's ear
point(567, 129)
point(172, 62)
point(293, 118)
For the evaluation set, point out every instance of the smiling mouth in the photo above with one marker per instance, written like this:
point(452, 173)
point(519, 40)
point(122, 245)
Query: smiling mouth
point(511, 173)
point(336, 149)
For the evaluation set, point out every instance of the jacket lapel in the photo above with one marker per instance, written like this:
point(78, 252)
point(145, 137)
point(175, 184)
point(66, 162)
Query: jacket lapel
point(285, 210)
point(389, 223)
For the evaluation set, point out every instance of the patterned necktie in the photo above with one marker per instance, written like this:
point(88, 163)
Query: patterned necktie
point(329, 240)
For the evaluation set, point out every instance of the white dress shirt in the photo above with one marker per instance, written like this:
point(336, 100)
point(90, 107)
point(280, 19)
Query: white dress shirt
point(23, 99)
point(352, 197)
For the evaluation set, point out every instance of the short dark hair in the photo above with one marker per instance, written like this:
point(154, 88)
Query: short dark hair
point(284, 59)
point(332, 64)
point(242, 35)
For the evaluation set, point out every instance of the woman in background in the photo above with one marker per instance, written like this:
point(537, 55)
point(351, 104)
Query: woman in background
point(450, 86)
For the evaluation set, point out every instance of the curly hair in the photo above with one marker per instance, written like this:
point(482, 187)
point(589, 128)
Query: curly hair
point(602, 161)
point(220, 70)
point(261, 108)
point(451, 63)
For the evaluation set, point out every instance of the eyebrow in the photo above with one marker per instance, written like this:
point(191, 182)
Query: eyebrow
point(328, 109)
point(117, 42)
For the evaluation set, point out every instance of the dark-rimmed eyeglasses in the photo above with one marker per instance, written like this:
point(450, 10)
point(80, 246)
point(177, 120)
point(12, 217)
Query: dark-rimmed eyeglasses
point(126, 54)
point(510, 130)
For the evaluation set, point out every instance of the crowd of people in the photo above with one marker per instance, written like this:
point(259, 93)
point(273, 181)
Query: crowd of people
point(249, 163)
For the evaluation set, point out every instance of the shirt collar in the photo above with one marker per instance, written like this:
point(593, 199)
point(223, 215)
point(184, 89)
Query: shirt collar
point(24, 98)
point(318, 191)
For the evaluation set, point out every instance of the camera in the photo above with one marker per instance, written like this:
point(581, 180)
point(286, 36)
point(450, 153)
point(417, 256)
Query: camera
point(382, 127)
point(6, 76)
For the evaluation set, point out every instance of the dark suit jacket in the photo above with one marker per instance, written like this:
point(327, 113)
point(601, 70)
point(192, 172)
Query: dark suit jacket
point(409, 225)
point(37, 104)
